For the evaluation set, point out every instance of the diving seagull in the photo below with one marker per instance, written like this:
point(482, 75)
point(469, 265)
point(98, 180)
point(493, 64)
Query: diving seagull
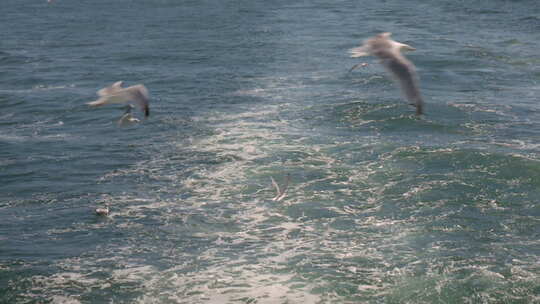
point(389, 53)
point(281, 191)
point(136, 95)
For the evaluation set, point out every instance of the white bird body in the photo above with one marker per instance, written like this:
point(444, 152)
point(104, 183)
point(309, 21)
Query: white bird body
point(102, 211)
point(136, 95)
point(127, 119)
point(389, 52)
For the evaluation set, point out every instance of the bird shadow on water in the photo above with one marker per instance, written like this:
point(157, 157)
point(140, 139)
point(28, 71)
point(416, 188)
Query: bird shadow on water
point(392, 117)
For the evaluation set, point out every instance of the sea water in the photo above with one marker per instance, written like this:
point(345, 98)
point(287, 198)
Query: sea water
point(382, 206)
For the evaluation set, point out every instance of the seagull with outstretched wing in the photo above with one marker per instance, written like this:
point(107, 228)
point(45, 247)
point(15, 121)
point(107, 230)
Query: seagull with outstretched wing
point(136, 95)
point(403, 70)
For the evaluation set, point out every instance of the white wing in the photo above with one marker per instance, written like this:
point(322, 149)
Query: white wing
point(138, 95)
point(359, 51)
point(284, 188)
point(281, 191)
point(404, 72)
point(276, 186)
point(115, 87)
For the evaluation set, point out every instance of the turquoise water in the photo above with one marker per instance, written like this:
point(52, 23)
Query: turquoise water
point(382, 207)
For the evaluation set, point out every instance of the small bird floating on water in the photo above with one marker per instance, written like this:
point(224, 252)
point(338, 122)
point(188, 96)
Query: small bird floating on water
point(136, 95)
point(389, 53)
point(281, 191)
point(127, 118)
point(102, 211)
point(361, 64)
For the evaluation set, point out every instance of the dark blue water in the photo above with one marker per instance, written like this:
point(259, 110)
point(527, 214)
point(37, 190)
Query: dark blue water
point(382, 207)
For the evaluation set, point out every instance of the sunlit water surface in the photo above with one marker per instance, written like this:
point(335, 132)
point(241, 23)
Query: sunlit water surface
point(382, 207)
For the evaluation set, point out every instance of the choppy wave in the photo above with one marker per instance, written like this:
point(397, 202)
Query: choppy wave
point(382, 206)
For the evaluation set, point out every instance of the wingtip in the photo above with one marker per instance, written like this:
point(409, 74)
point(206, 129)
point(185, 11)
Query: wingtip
point(419, 109)
point(358, 52)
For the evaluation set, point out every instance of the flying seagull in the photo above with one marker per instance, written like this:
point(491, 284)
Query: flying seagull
point(136, 95)
point(281, 191)
point(389, 52)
